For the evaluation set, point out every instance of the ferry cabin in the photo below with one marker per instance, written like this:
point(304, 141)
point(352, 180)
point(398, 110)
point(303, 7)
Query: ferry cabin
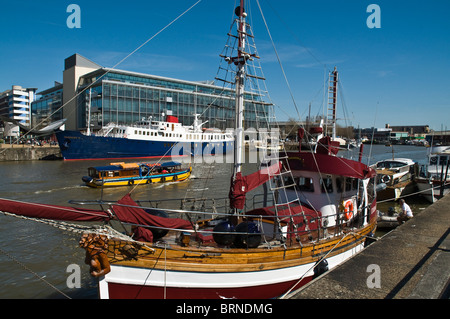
point(166, 131)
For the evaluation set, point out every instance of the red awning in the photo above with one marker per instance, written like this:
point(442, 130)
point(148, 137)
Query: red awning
point(326, 164)
point(136, 215)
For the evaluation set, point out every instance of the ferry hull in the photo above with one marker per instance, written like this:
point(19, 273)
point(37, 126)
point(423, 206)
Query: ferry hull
point(76, 146)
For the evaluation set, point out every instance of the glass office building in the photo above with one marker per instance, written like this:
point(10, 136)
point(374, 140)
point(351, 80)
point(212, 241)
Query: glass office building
point(125, 97)
point(47, 108)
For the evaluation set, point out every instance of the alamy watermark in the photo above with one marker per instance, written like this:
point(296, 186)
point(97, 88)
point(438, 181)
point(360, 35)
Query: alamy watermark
point(374, 279)
point(260, 146)
point(74, 279)
point(374, 19)
point(74, 19)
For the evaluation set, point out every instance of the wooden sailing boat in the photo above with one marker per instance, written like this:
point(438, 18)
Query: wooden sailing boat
point(322, 209)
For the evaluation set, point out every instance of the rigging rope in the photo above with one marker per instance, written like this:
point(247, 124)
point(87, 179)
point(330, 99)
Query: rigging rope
point(33, 272)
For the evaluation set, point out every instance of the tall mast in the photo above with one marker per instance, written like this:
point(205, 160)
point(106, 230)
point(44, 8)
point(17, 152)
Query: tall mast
point(332, 102)
point(240, 78)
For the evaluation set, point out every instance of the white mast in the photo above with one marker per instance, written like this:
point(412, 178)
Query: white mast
point(240, 77)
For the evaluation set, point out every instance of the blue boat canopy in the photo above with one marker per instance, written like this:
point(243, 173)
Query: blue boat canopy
point(118, 167)
point(170, 164)
point(107, 168)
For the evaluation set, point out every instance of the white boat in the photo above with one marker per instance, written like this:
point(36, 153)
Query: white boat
point(147, 138)
point(433, 181)
point(398, 176)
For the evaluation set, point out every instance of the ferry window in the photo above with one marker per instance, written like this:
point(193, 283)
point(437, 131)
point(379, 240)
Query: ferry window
point(116, 174)
point(326, 184)
point(443, 160)
point(135, 131)
point(339, 184)
point(348, 184)
point(433, 160)
point(354, 183)
point(305, 184)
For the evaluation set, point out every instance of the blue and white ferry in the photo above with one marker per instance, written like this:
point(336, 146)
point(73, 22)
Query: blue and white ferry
point(145, 139)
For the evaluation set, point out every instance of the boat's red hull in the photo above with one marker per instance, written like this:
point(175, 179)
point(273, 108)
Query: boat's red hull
point(125, 291)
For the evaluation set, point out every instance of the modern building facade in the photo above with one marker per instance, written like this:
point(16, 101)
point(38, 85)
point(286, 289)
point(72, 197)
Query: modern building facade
point(16, 104)
point(101, 95)
point(47, 108)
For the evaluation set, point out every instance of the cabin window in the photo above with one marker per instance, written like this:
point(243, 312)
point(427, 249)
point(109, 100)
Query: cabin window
point(443, 160)
point(340, 184)
point(326, 184)
point(348, 184)
point(305, 184)
point(116, 173)
point(354, 183)
point(135, 132)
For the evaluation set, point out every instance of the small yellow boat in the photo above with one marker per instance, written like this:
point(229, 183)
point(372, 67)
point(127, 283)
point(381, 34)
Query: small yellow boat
point(128, 174)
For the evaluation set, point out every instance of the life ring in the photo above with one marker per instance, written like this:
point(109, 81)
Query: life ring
point(348, 210)
point(385, 178)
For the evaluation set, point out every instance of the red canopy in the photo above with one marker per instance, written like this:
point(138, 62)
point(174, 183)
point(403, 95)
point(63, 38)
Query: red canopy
point(51, 211)
point(304, 161)
point(136, 215)
point(243, 184)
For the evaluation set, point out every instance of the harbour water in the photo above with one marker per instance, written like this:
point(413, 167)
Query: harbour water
point(34, 257)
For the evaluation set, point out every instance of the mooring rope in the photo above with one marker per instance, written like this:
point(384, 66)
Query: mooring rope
point(33, 272)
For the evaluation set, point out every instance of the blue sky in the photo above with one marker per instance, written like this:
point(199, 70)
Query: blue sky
point(397, 74)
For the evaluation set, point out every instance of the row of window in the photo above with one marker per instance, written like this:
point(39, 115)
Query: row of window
point(208, 137)
point(306, 184)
